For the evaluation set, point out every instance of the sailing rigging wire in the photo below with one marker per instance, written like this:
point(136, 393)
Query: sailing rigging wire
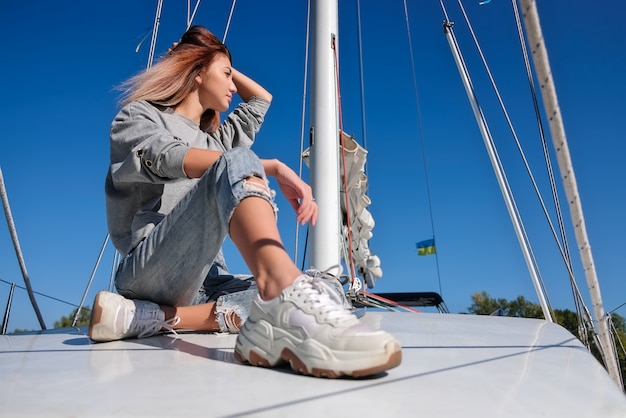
point(559, 139)
point(361, 78)
point(617, 308)
point(117, 256)
point(615, 336)
point(230, 16)
point(498, 169)
point(582, 314)
point(564, 249)
point(7, 311)
point(18, 250)
point(191, 16)
point(93, 273)
point(420, 126)
point(520, 150)
point(117, 259)
point(155, 31)
point(533, 91)
point(302, 124)
point(580, 228)
point(373, 300)
point(41, 294)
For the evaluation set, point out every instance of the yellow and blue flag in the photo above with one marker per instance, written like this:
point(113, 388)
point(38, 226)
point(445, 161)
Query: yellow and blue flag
point(426, 247)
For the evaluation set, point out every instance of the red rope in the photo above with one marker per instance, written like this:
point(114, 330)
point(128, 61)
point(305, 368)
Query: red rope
point(389, 301)
point(345, 186)
point(343, 160)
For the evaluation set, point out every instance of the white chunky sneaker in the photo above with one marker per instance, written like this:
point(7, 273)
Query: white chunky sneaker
point(307, 326)
point(332, 276)
point(114, 317)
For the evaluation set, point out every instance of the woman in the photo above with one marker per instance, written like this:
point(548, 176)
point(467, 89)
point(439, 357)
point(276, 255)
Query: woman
point(178, 183)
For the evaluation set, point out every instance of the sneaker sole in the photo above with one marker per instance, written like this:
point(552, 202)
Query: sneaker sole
point(367, 364)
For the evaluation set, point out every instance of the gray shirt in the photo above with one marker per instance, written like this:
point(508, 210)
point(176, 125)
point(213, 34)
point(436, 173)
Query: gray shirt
point(146, 177)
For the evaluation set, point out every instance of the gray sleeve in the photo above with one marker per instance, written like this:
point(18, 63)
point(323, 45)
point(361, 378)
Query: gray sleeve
point(242, 124)
point(142, 149)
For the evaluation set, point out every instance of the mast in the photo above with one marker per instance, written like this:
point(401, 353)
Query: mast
point(325, 235)
point(557, 129)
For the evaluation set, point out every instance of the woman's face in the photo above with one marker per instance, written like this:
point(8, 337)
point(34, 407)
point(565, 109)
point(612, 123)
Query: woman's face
point(216, 86)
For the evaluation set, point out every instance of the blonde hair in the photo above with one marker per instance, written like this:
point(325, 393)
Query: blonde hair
point(169, 81)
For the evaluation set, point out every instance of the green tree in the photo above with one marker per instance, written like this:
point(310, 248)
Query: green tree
point(483, 304)
point(567, 319)
point(18, 330)
point(66, 321)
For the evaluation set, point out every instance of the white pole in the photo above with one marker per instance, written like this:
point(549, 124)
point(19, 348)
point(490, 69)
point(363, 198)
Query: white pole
point(18, 250)
point(487, 139)
point(325, 235)
point(557, 129)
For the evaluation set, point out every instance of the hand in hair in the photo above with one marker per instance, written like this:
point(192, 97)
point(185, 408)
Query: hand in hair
point(171, 48)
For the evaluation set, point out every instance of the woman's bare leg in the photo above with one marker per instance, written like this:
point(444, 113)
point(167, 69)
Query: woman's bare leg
point(197, 317)
point(254, 231)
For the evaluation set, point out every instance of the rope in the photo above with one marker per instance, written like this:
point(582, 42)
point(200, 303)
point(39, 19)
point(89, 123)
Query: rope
point(343, 160)
point(381, 302)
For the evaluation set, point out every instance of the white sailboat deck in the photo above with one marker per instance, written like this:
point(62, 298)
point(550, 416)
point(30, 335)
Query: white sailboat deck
point(453, 365)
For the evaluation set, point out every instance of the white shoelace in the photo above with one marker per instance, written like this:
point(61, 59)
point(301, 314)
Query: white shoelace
point(331, 277)
point(154, 326)
point(324, 298)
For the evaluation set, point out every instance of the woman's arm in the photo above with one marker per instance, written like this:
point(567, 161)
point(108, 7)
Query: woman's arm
point(296, 191)
point(247, 87)
point(197, 161)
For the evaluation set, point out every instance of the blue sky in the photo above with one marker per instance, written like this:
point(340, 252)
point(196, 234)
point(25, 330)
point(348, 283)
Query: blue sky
point(62, 61)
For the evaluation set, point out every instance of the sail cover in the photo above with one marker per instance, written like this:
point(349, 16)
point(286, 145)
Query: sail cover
point(366, 263)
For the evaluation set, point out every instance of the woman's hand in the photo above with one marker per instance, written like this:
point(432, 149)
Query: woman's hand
point(296, 191)
point(247, 87)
